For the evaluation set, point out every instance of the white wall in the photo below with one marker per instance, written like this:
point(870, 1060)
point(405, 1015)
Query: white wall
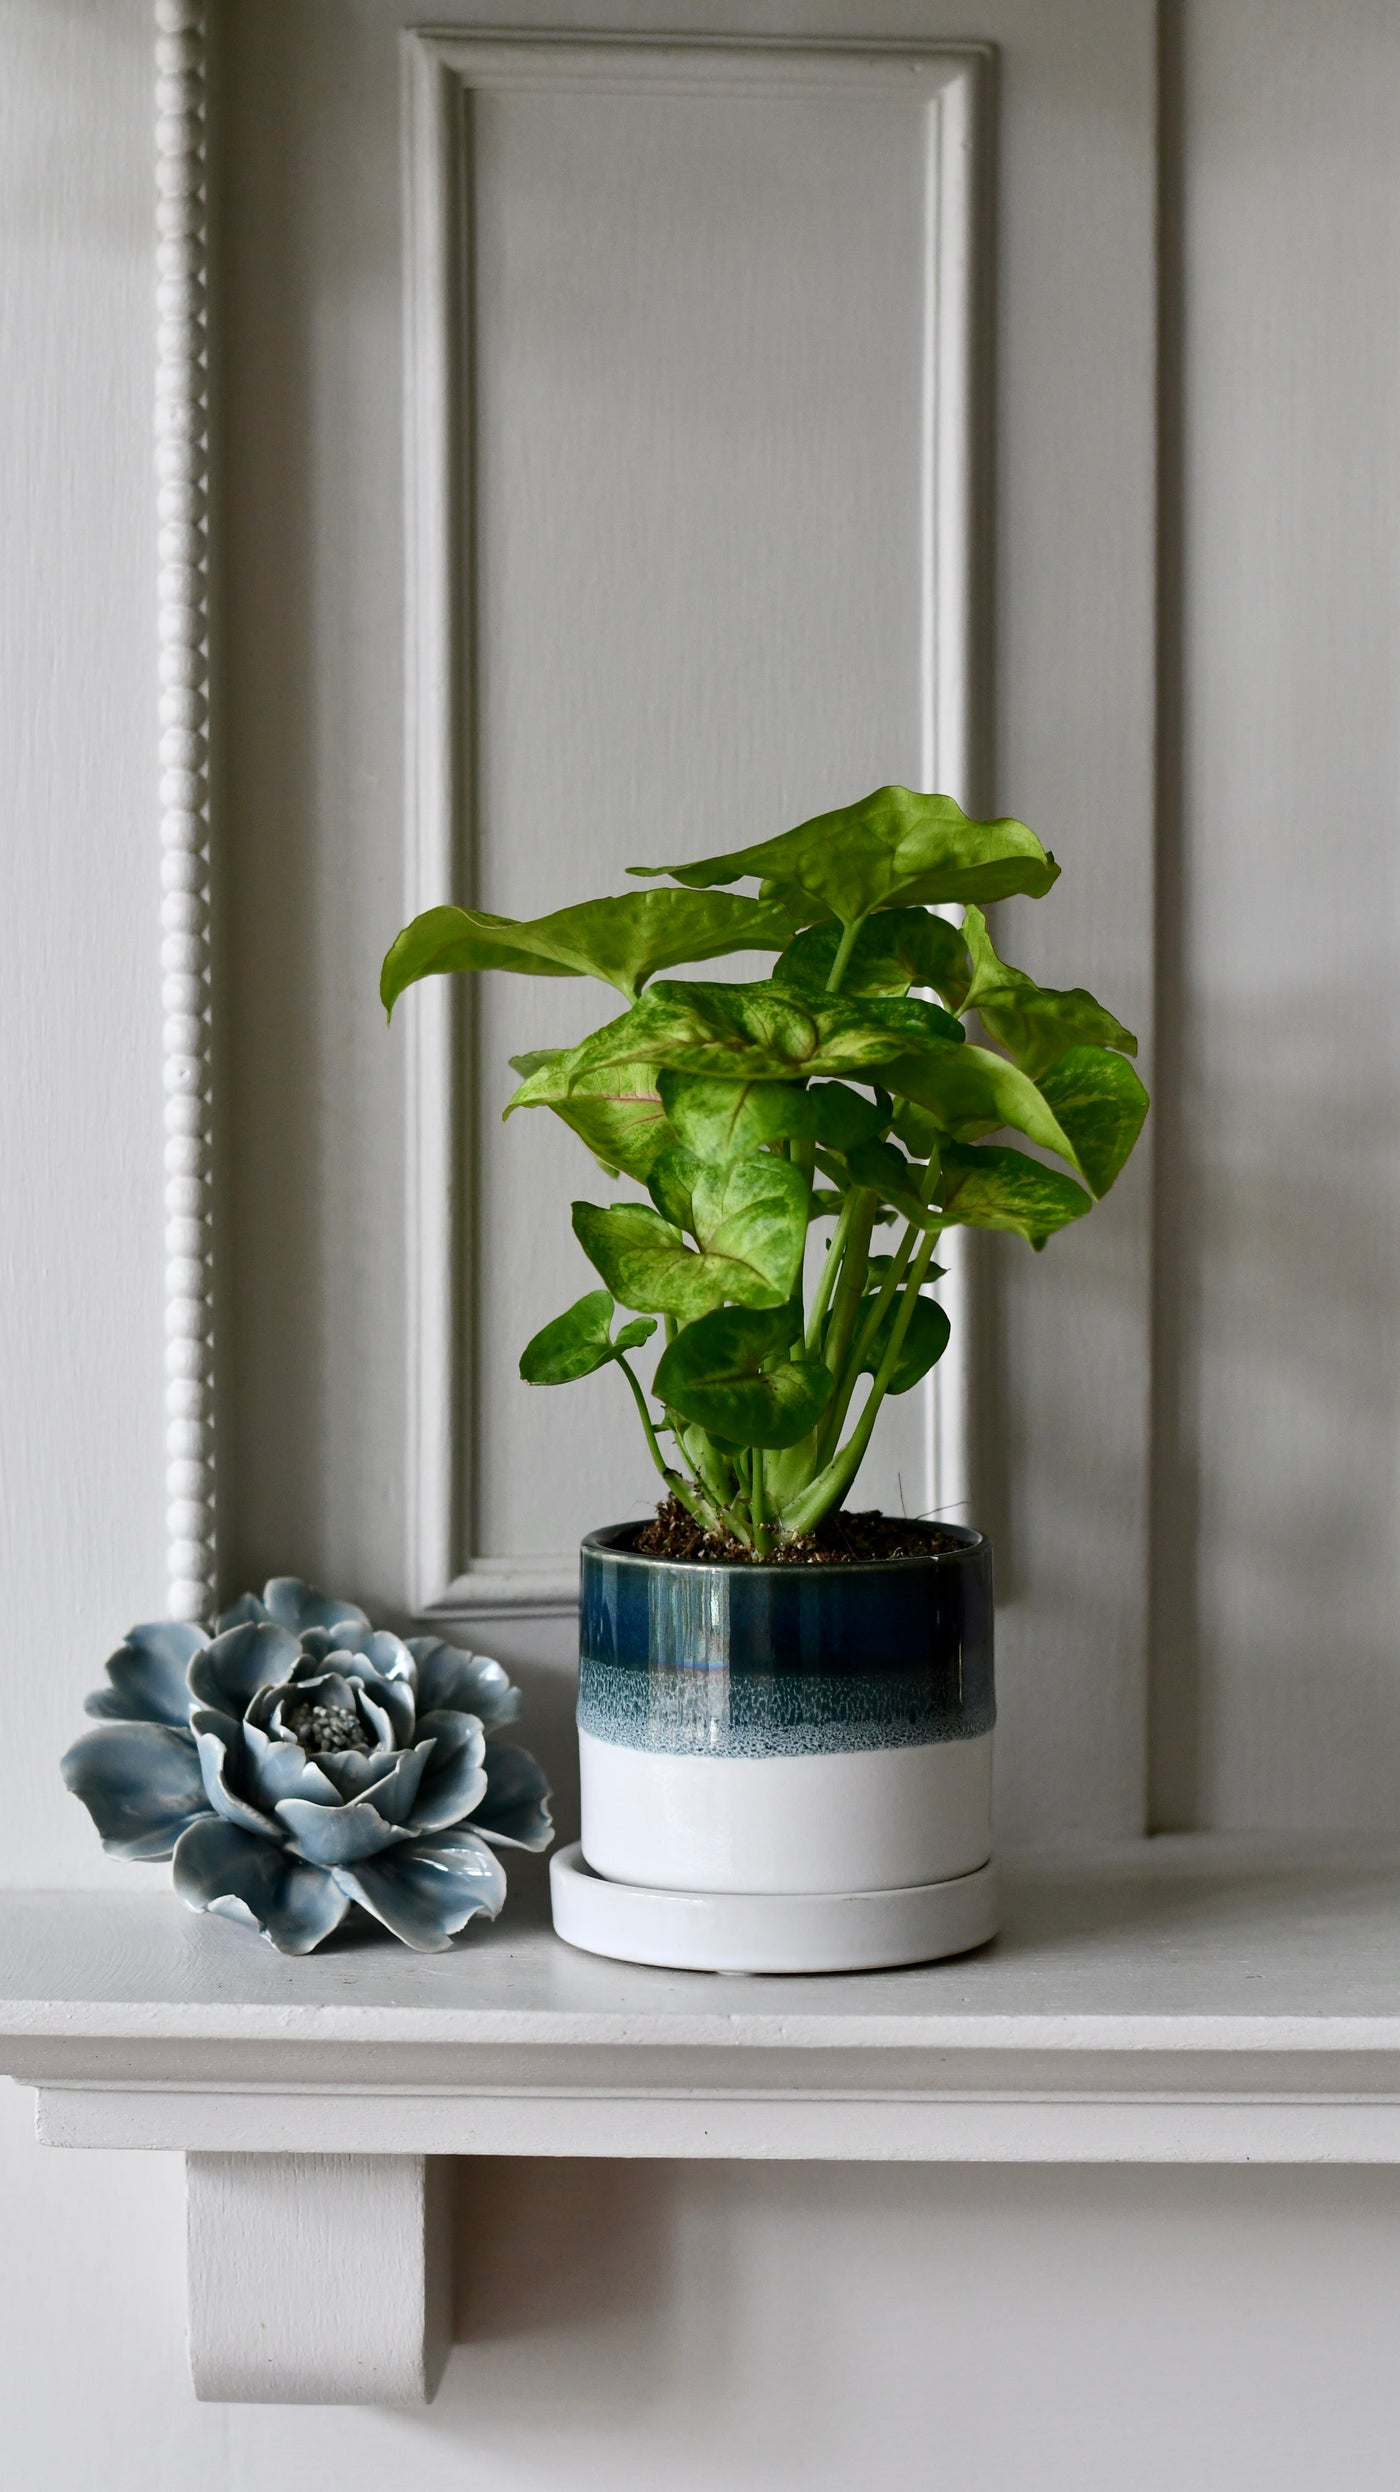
point(1278, 1481)
point(703, 2328)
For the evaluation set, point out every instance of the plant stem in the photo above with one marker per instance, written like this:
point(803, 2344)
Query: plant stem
point(844, 950)
point(821, 1296)
point(834, 1416)
point(762, 1537)
point(850, 1288)
point(830, 1485)
point(717, 1509)
point(675, 1484)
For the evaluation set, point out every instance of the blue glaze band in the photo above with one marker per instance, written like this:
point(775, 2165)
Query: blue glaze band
point(784, 1661)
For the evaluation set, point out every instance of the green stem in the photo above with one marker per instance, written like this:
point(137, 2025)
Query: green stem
point(718, 1509)
point(803, 1155)
point(844, 950)
point(675, 1484)
point(826, 1280)
point(762, 1537)
point(834, 1416)
point(830, 1485)
point(850, 1289)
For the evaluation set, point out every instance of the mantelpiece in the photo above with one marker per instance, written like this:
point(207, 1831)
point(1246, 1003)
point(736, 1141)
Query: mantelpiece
point(1196, 1999)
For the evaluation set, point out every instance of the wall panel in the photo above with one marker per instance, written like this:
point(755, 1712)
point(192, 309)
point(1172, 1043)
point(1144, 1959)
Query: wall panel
point(321, 1268)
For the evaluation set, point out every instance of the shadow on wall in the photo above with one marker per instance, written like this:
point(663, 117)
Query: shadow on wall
point(1278, 1441)
point(560, 2248)
point(643, 2327)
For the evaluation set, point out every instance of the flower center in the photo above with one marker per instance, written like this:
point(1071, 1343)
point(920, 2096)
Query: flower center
point(325, 1730)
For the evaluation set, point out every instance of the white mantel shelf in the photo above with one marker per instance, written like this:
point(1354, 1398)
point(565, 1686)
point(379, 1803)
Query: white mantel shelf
point(1192, 1999)
point(1196, 1999)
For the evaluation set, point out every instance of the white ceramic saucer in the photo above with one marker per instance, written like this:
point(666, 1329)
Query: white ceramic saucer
point(770, 1933)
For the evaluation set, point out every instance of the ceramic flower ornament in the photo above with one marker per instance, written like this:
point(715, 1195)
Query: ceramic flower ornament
point(300, 1761)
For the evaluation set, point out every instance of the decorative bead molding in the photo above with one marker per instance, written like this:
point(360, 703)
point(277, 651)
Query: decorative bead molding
point(182, 475)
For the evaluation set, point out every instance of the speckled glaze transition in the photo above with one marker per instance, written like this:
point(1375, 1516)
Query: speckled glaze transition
point(781, 1661)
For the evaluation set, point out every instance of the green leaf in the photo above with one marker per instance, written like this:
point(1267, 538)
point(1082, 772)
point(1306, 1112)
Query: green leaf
point(995, 1188)
point(971, 1092)
point(921, 1024)
point(671, 1186)
point(719, 1120)
point(841, 1118)
point(920, 1132)
point(894, 950)
point(750, 1034)
point(889, 849)
point(1035, 1024)
point(889, 1174)
point(643, 1258)
point(624, 940)
point(578, 1342)
point(714, 1374)
point(751, 1216)
point(750, 1223)
point(1101, 1104)
point(615, 1109)
point(922, 1347)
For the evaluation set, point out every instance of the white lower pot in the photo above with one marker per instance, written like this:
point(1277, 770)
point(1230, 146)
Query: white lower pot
point(783, 1768)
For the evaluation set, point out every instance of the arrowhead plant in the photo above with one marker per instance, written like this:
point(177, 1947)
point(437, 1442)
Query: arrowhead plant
point(796, 1146)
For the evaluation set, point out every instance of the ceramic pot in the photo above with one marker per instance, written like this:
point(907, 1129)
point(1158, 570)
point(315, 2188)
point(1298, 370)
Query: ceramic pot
point(785, 1730)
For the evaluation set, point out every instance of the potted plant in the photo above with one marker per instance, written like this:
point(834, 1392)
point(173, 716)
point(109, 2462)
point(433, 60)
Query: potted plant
point(785, 1709)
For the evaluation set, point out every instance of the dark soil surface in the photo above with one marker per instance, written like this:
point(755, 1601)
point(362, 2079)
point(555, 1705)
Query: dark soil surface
point(836, 1542)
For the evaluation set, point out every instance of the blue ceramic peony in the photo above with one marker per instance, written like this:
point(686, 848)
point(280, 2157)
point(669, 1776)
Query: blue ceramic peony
point(301, 1761)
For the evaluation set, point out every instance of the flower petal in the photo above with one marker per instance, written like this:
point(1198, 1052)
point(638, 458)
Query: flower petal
point(140, 1784)
point(515, 1810)
point(278, 1769)
point(395, 1792)
point(387, 1654)
point(246, 1611)
point(389, 1705)
point(296, 1605)
point(225, 1766)
point(462, 1682)
point(429, 1889)
point(349, 1772)
point(455, 1779)
point(220, 1869)
point(146, 1675)
point(390, 1781)
point(333, 1836)
point(228, 1673)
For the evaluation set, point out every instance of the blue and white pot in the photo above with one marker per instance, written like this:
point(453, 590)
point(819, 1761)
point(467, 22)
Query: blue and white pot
point(786, 1731)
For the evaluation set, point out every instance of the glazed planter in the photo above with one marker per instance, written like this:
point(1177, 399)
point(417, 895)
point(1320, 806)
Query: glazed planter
point(785, 1751)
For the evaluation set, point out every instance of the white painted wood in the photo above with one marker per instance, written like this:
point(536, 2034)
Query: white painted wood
point(1269, 2295)
point(317, 2279)
point(315, 1418)
point(1192, 1999)
point(182, 501)
point(1277, 1557)
point(467, 229)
